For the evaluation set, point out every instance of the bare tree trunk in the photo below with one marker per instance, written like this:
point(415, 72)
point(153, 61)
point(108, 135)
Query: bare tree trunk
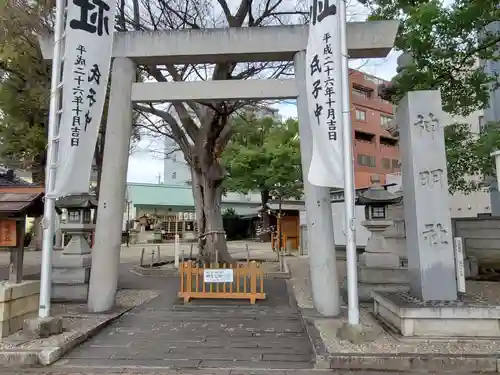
point(211, 232)
point(200, 214)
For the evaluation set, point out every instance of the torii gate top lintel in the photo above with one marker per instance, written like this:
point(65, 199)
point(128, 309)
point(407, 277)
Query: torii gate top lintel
point(372, 39)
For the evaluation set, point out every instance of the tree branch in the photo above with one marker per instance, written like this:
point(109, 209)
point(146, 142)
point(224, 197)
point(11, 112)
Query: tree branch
point(178, 134)
point(227, 12)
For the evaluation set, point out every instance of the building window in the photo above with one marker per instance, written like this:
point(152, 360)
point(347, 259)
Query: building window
point(364, 137)
point(396, 164)
point(362, 92)
point(367, 160)
point(385, 120)
point(360, 115)
point(390, 142)
point(386, 163)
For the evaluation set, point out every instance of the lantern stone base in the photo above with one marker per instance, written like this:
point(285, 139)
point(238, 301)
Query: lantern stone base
point(380, 271)
point(71, 275)
point(410, 317)
point(380, 279)
point(18, 302)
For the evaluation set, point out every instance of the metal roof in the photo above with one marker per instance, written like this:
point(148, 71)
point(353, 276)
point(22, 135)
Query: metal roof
point(179, 196)
point(13, 203)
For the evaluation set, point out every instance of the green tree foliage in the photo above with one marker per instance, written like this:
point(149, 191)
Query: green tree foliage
point(468, 155)
point(446, 40)
point(263, 155)
point(459, 143)
point(24, 87)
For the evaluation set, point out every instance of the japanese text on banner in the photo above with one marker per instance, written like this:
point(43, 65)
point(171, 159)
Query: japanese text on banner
point(323, 81)
point(88, 45)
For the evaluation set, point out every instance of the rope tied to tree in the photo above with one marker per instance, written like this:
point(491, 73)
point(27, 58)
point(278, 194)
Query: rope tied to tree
point(217, 231)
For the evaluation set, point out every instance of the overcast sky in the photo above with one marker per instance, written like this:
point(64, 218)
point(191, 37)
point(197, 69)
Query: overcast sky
point(146, 162)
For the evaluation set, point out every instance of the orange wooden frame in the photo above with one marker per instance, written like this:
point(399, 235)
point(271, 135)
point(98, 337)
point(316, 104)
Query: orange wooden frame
point(248, 282)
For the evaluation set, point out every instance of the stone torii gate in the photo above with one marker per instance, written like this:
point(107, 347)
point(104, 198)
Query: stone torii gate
point(276, 43)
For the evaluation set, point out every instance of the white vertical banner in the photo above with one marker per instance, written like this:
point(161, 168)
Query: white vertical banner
point(323, 80)
point(87, 59)
point(459, 264)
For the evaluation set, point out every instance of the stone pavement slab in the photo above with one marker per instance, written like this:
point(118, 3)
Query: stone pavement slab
point(163, 371)
point(165, 333)
point(21, 349)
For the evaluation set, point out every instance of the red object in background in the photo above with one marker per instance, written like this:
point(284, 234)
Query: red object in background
point(376, 151)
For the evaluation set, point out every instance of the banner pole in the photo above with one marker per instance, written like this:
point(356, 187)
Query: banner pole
point(349, 187)
point(51, 166)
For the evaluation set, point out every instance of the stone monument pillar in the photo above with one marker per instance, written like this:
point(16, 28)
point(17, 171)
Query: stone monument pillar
point(431, 307)
point(71, 268)
point(431, 260)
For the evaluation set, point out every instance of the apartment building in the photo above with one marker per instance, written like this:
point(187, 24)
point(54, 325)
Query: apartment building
point(375, 150)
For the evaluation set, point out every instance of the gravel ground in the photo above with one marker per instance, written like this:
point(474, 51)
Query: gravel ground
point(387, 343)
point(301, 279)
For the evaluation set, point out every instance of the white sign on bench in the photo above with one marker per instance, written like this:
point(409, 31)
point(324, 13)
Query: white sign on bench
point(211, 275)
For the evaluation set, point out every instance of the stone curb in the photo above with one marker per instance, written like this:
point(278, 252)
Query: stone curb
point(45, 356)
point(414, 362)
point(144, 271)
point(320, 354)
point(156, 370)
point(397, 362)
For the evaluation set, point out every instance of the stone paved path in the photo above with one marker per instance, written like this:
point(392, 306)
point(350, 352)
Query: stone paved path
point(163, 371)
point(167, 333)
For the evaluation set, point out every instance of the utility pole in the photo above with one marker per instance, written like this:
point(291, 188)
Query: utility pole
point(128, 222)
point(51, 168)
point(349, 189)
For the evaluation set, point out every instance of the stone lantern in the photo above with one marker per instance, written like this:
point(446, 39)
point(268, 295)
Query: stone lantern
point(71, 269)
point(376, 200)
point(379, 266)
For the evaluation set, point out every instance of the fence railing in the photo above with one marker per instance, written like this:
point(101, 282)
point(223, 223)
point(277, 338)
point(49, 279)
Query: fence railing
point(227, 281)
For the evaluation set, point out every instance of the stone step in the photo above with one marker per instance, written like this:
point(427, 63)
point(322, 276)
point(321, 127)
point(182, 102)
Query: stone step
point(188, 365)
point(166, 370)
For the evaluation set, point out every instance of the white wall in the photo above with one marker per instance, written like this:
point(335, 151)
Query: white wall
point(470, 205)
point(461, 205)
point(338, 212)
